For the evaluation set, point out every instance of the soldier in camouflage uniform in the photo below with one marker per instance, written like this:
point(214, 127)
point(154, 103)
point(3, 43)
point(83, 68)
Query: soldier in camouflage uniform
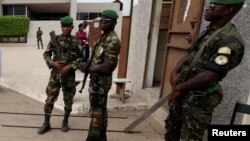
point(195, 86)
point(65, 47)
point(104, 62)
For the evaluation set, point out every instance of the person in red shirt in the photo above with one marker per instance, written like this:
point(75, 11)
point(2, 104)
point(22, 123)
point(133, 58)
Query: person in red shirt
point(81, 36)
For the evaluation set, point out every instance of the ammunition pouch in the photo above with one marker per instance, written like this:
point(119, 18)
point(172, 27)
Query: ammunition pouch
point(207, 99)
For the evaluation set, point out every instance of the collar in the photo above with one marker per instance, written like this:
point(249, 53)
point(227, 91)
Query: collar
point(212, 26)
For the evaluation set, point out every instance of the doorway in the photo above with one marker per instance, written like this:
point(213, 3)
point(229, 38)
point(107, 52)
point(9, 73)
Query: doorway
point(160, 19)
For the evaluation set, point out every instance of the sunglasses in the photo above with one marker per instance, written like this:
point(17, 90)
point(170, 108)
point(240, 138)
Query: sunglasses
point(106, 20)
point(66, 25)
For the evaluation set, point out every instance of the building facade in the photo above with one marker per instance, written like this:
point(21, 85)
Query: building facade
point(152, 32)
point(46, 15)
point(157, 40)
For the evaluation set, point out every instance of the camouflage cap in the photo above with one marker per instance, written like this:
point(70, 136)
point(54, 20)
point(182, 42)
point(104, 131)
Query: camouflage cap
point(110, 14)
point(66, 20)
point(227, 2)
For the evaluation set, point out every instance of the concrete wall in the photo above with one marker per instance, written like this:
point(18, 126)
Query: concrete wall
point(73, 9)
point(236, 84)
point(47, 26)
point(1, 8)
point(99, 7)
point(33, 1)
point(137, 56)
point(138, 44)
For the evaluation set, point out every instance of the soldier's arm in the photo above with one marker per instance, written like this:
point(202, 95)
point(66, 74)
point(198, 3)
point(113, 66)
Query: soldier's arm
point(47, 55)
point(227, 56)
point(110, 58)
point(79, 57)
point(104, 68)
point(201, 80)
point(174, 77)
point(178, 65)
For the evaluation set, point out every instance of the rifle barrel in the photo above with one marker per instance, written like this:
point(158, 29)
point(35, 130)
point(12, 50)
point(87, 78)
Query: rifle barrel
point(84, 82)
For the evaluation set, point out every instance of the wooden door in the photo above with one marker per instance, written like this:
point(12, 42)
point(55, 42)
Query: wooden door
point(184, 23)
point(94, 32)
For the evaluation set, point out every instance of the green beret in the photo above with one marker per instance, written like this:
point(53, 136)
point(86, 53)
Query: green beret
point(110, 14)
point(66, 20)
point(227, 2)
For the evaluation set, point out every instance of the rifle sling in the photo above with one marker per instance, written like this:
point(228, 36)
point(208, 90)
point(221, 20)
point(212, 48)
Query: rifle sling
point(200, 51)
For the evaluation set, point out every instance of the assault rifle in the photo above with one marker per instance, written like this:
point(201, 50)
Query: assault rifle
point(56, 50)
point(89, 63)
point(87, 67)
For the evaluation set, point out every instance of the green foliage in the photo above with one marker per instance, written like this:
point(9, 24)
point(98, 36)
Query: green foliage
point(11, 26)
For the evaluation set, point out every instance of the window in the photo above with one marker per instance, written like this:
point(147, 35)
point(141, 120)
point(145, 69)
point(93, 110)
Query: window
point(82, 16)
point(87, 16)
point(14, 10)
point(93, 16)
point(20, 10)
point(8, 10)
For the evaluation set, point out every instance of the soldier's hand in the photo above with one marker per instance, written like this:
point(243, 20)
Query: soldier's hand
point(57, 65)
point(173, 97)
point(64, 70)
point(84, 67)
point(174, 80)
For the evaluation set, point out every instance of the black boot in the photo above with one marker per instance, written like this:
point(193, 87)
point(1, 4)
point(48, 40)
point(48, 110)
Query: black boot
point(65, 127)
point(101, 137)
point(89, 138)
point(103, 134)
point(46, 125)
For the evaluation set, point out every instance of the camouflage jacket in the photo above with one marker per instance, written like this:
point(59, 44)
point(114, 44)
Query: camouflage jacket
point(69, 52)
point(107, 48)
point(223, 52)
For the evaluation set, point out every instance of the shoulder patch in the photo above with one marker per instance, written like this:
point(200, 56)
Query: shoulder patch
point(108, 39)
point(224, 50)
point(100, 50)
point(221, 60)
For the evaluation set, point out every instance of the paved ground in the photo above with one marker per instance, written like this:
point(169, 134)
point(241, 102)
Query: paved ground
point(14, 102)
point(23, 79)
point(24, 70)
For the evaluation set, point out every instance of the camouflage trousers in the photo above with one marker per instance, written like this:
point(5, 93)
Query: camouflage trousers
point(68, 87)
point(190, 116)
point(98, 113)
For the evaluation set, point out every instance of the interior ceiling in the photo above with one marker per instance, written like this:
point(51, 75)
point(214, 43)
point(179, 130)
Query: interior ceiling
point(49, 8)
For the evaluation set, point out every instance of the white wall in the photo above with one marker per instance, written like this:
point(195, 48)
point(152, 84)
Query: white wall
point(99, 7)
point(1, 8)
point(34, 1)
point(48, 26)
point(137, 56)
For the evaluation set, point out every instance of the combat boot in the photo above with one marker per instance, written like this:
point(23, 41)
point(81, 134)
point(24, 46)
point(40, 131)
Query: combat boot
point(46, 125)
point(103, 134)
point(65, 127)
point(89, 138)
point(97, 138)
